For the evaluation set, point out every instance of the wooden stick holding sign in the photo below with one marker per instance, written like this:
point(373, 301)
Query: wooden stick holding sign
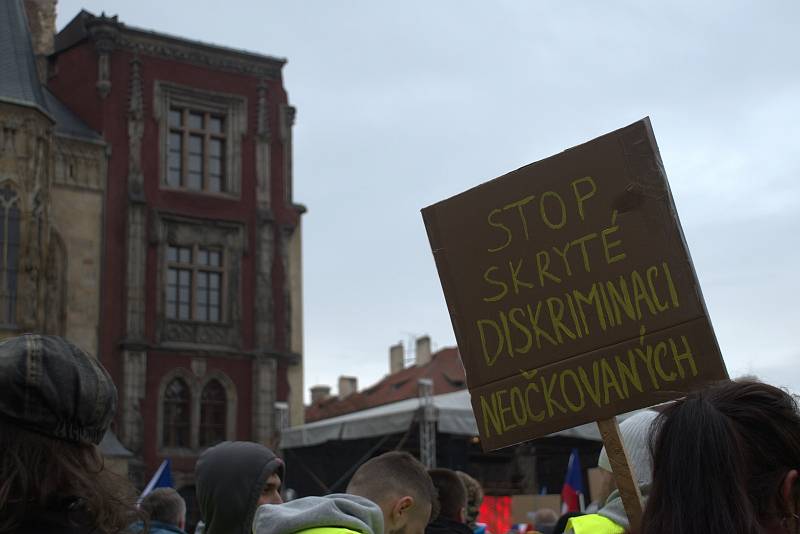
point(623, 471)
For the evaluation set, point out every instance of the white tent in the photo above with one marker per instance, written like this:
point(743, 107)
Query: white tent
point(453, 413)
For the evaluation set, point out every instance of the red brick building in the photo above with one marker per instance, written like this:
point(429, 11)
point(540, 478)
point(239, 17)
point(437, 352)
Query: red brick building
point(201, 309)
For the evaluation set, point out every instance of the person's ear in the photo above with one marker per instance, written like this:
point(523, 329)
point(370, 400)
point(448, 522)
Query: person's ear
point(400, 511)
point(787, 491)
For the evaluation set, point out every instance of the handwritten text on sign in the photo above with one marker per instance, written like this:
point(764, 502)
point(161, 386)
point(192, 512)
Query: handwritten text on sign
point(571, 291)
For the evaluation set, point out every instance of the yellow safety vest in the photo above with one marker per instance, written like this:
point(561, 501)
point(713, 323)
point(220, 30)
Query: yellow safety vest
point(328, 530)
point(593, 524)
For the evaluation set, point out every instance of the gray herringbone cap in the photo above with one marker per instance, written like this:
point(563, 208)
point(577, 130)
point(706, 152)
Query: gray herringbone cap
point(50, 386)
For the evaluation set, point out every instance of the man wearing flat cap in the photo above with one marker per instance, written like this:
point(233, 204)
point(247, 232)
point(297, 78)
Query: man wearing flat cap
point(56, 402)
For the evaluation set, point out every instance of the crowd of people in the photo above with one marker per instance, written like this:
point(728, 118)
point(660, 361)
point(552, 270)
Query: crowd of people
point(723, 459)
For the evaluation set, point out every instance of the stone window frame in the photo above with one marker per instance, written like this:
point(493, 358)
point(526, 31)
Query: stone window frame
point(196, 385)
point(232, 107)
point(229, 238)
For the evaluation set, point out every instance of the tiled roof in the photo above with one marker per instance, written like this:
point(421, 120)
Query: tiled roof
point(19, 81)
point(445, 369)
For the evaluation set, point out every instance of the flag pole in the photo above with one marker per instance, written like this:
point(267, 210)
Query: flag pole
point(622, 470)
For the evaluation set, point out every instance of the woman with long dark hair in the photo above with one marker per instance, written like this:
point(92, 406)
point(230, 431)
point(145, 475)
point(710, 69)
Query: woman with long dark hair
point(726, 460)
point(56, 402)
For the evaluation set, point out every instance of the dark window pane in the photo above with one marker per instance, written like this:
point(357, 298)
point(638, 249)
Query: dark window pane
point(196, 121)
point(215, 148)
point(195, 164)
point(200, 313)
point(183, 294)
point(195, 181)
point(215, 124)
point(202, 256)
point(175, 142)
point(213, 315)
point(215, 166)
point(202, 279)
point(214, 280)
point(176, 414)
point(215, 258)
point(215, 184)
point(183, 312)
point(172, 253)
point(173, 178)
point(171, 314)
point(175, 117)
point(184, 278)
point(196, 144)
point(185, 255)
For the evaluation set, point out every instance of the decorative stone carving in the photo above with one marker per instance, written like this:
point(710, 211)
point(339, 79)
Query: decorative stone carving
point(264, 387)
point(215, 58)
point(104, 31)
point(263, 189)
point(265, 253)
point(135, 372)
point(287, 123)
point(136, 267)
point(135, 133)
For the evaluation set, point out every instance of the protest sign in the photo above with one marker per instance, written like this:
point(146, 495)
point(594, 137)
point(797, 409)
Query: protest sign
point(571, 291)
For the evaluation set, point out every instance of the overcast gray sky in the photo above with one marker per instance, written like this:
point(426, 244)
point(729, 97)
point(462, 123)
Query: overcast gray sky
point(402, 104)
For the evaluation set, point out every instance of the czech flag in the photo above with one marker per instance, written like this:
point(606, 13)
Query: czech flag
point(572, 492)
point(161, 479)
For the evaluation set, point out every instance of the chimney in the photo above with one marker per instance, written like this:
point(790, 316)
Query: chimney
point(320, 393)
point(347, 386)
point(396, 358)
point(423, 350)
point(42, 23)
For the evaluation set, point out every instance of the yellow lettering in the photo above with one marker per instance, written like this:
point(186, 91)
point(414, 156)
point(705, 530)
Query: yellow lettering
point(609, 381)
point(574, 406)
point(549, 401)
point(534, 320)
point(490, 360)
point(496, 224)
point(515, 276)
point(556, 318)
point(673, 293)
point(629, 373)
point(519, 204)
point(640, 294)
point(607, 246)
point(563, 254)
point(652, 273)
point(543, 211)
point(583, 197)
point(594, 393)
point(686, 355)
point(521, 327)
point(582, 243)
point(661, 350)
point(542, 267)
point(490, 415)
point(502, 292)
point(520, 417)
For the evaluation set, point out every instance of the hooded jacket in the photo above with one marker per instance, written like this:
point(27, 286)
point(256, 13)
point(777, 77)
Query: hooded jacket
point(229, 480)
point(333, 513)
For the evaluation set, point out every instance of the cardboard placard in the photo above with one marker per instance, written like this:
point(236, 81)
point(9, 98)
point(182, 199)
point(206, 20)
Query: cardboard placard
point(523, 506)
point(571, 291)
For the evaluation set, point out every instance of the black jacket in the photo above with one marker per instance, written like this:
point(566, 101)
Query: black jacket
point(447, 526)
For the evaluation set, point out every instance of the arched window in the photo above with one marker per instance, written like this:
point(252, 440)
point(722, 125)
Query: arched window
point(9, 253)
point(177, 422)
point(213, 414)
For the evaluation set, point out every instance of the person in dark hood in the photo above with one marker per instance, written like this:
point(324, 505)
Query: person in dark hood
point(232, 480)
point(390, 494)
point(56, 403)
point(452, 497)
